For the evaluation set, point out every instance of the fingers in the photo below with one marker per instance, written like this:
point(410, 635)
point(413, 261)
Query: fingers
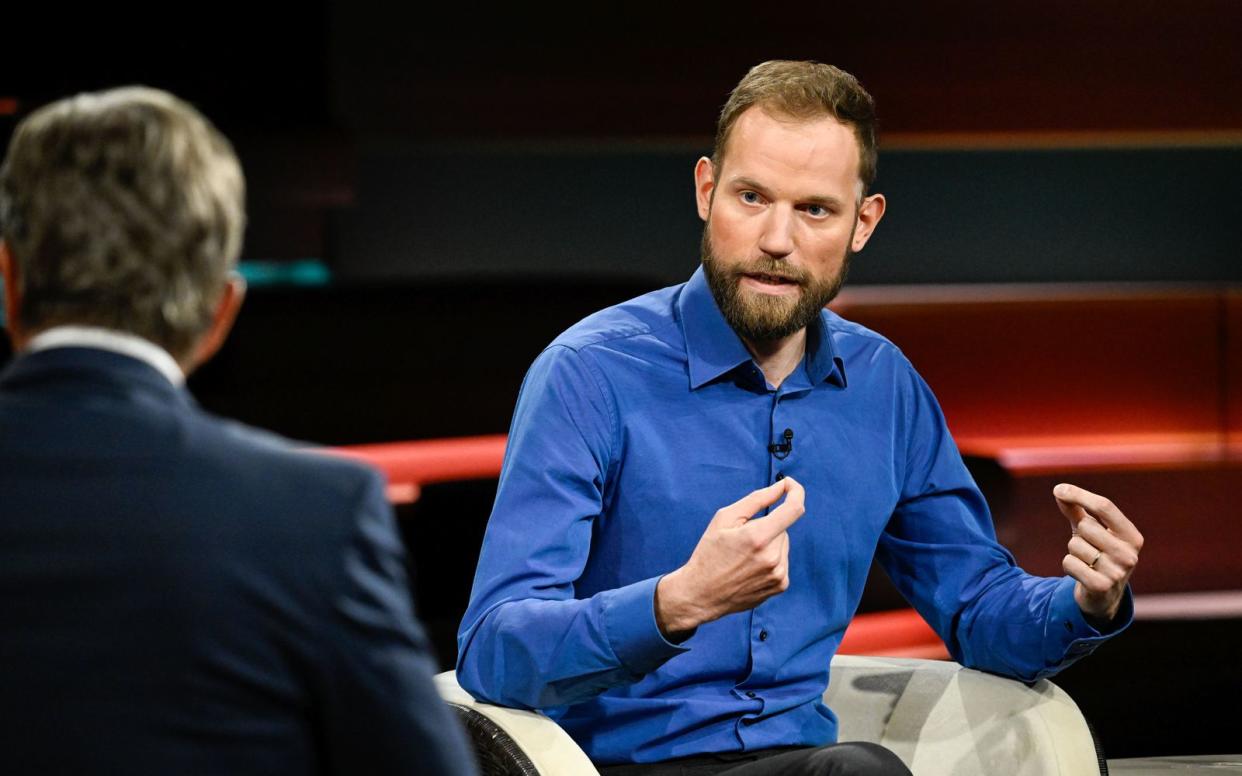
point(1098, 537)
point(1085, 551)
point(1093, 568)
point(774, 559)
point(1076, 503)
point(1099, 573)
point(1104, 540)
point(779, 519)
point(1073, 512)
point(1103, 551)
point(745, 508)
point(1093, 580)
point(783, 569)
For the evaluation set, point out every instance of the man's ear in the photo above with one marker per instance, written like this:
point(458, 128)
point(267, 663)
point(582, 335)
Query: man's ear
point(12, 298)
point(869, 214)
point(221, 323)
point(704, 186)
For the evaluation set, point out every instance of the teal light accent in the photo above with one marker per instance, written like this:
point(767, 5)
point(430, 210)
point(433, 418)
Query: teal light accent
point(301, 272)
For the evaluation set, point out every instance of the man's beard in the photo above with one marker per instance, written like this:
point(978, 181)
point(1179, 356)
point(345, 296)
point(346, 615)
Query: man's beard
point(759, 317)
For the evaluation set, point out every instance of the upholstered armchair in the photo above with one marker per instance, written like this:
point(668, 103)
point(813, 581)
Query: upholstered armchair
point(939, 717)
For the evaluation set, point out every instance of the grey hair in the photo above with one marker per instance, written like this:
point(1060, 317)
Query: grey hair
point(123, 209)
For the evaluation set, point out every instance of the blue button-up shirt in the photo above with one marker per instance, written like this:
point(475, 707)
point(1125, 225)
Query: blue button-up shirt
point(631, 430)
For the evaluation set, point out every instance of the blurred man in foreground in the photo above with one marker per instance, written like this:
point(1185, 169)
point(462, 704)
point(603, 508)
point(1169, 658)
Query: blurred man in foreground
point(179, 594)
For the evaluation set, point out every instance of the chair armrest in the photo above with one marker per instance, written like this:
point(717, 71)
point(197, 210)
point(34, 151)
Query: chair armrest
point(506, 735)
point(941, 718)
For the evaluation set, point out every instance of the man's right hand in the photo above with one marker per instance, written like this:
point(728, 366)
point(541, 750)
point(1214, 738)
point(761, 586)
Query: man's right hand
point(738, 564)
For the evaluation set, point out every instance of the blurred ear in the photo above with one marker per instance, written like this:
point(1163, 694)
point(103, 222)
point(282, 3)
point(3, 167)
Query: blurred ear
point(869, 214)
point(704, 186)
point(221, 322)
point(12, 299)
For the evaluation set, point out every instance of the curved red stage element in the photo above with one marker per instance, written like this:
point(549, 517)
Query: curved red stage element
point(898, 633)
point(410, 465)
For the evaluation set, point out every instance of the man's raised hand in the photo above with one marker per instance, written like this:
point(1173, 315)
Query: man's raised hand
point(739, 562)
point(1102, 552)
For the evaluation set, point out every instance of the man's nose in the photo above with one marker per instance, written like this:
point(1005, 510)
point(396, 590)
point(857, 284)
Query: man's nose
point(777, 237)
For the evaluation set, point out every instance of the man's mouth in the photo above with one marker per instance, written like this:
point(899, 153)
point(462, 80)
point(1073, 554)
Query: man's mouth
point(771, 280)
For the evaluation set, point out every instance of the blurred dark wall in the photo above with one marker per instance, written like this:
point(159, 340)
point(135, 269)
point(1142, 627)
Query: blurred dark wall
point(416, 141)
point(647, 69)
point(954, 216)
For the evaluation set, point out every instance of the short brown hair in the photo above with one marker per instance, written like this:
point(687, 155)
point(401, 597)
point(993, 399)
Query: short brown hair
point(122, 209)
point(804, 90)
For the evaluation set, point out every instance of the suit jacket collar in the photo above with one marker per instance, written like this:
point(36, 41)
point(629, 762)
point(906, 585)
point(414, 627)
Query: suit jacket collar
point(93, 370)
point(100, 338)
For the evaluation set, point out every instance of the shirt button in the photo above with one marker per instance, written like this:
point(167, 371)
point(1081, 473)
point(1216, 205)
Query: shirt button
point(750, 693)
point(1069, 626)
point(780, 476)
point(763, 635)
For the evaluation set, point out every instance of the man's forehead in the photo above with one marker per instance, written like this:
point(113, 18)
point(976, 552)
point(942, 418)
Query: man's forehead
point(818, 155)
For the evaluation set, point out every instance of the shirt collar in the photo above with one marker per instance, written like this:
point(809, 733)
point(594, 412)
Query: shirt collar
point(713, 348)
point(111, 340)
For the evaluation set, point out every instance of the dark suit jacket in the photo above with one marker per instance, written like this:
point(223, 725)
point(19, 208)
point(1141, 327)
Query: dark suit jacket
point(184, 595)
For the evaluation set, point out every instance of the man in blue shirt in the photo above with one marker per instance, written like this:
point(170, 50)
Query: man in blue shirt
point(612, 591)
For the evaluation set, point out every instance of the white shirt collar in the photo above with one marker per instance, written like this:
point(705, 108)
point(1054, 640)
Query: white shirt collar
point(109, 339)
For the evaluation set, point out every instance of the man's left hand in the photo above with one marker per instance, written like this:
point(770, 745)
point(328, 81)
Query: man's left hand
point(1103, 550)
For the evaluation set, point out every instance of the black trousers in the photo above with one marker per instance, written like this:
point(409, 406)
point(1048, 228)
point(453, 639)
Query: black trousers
point(848, 759)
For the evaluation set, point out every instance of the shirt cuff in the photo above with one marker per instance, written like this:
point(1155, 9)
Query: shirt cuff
point(1069, 635)
point(630, 625)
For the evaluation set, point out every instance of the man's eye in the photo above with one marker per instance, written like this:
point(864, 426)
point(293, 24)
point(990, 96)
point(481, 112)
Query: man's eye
point(750, 197)
point(816, 211)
